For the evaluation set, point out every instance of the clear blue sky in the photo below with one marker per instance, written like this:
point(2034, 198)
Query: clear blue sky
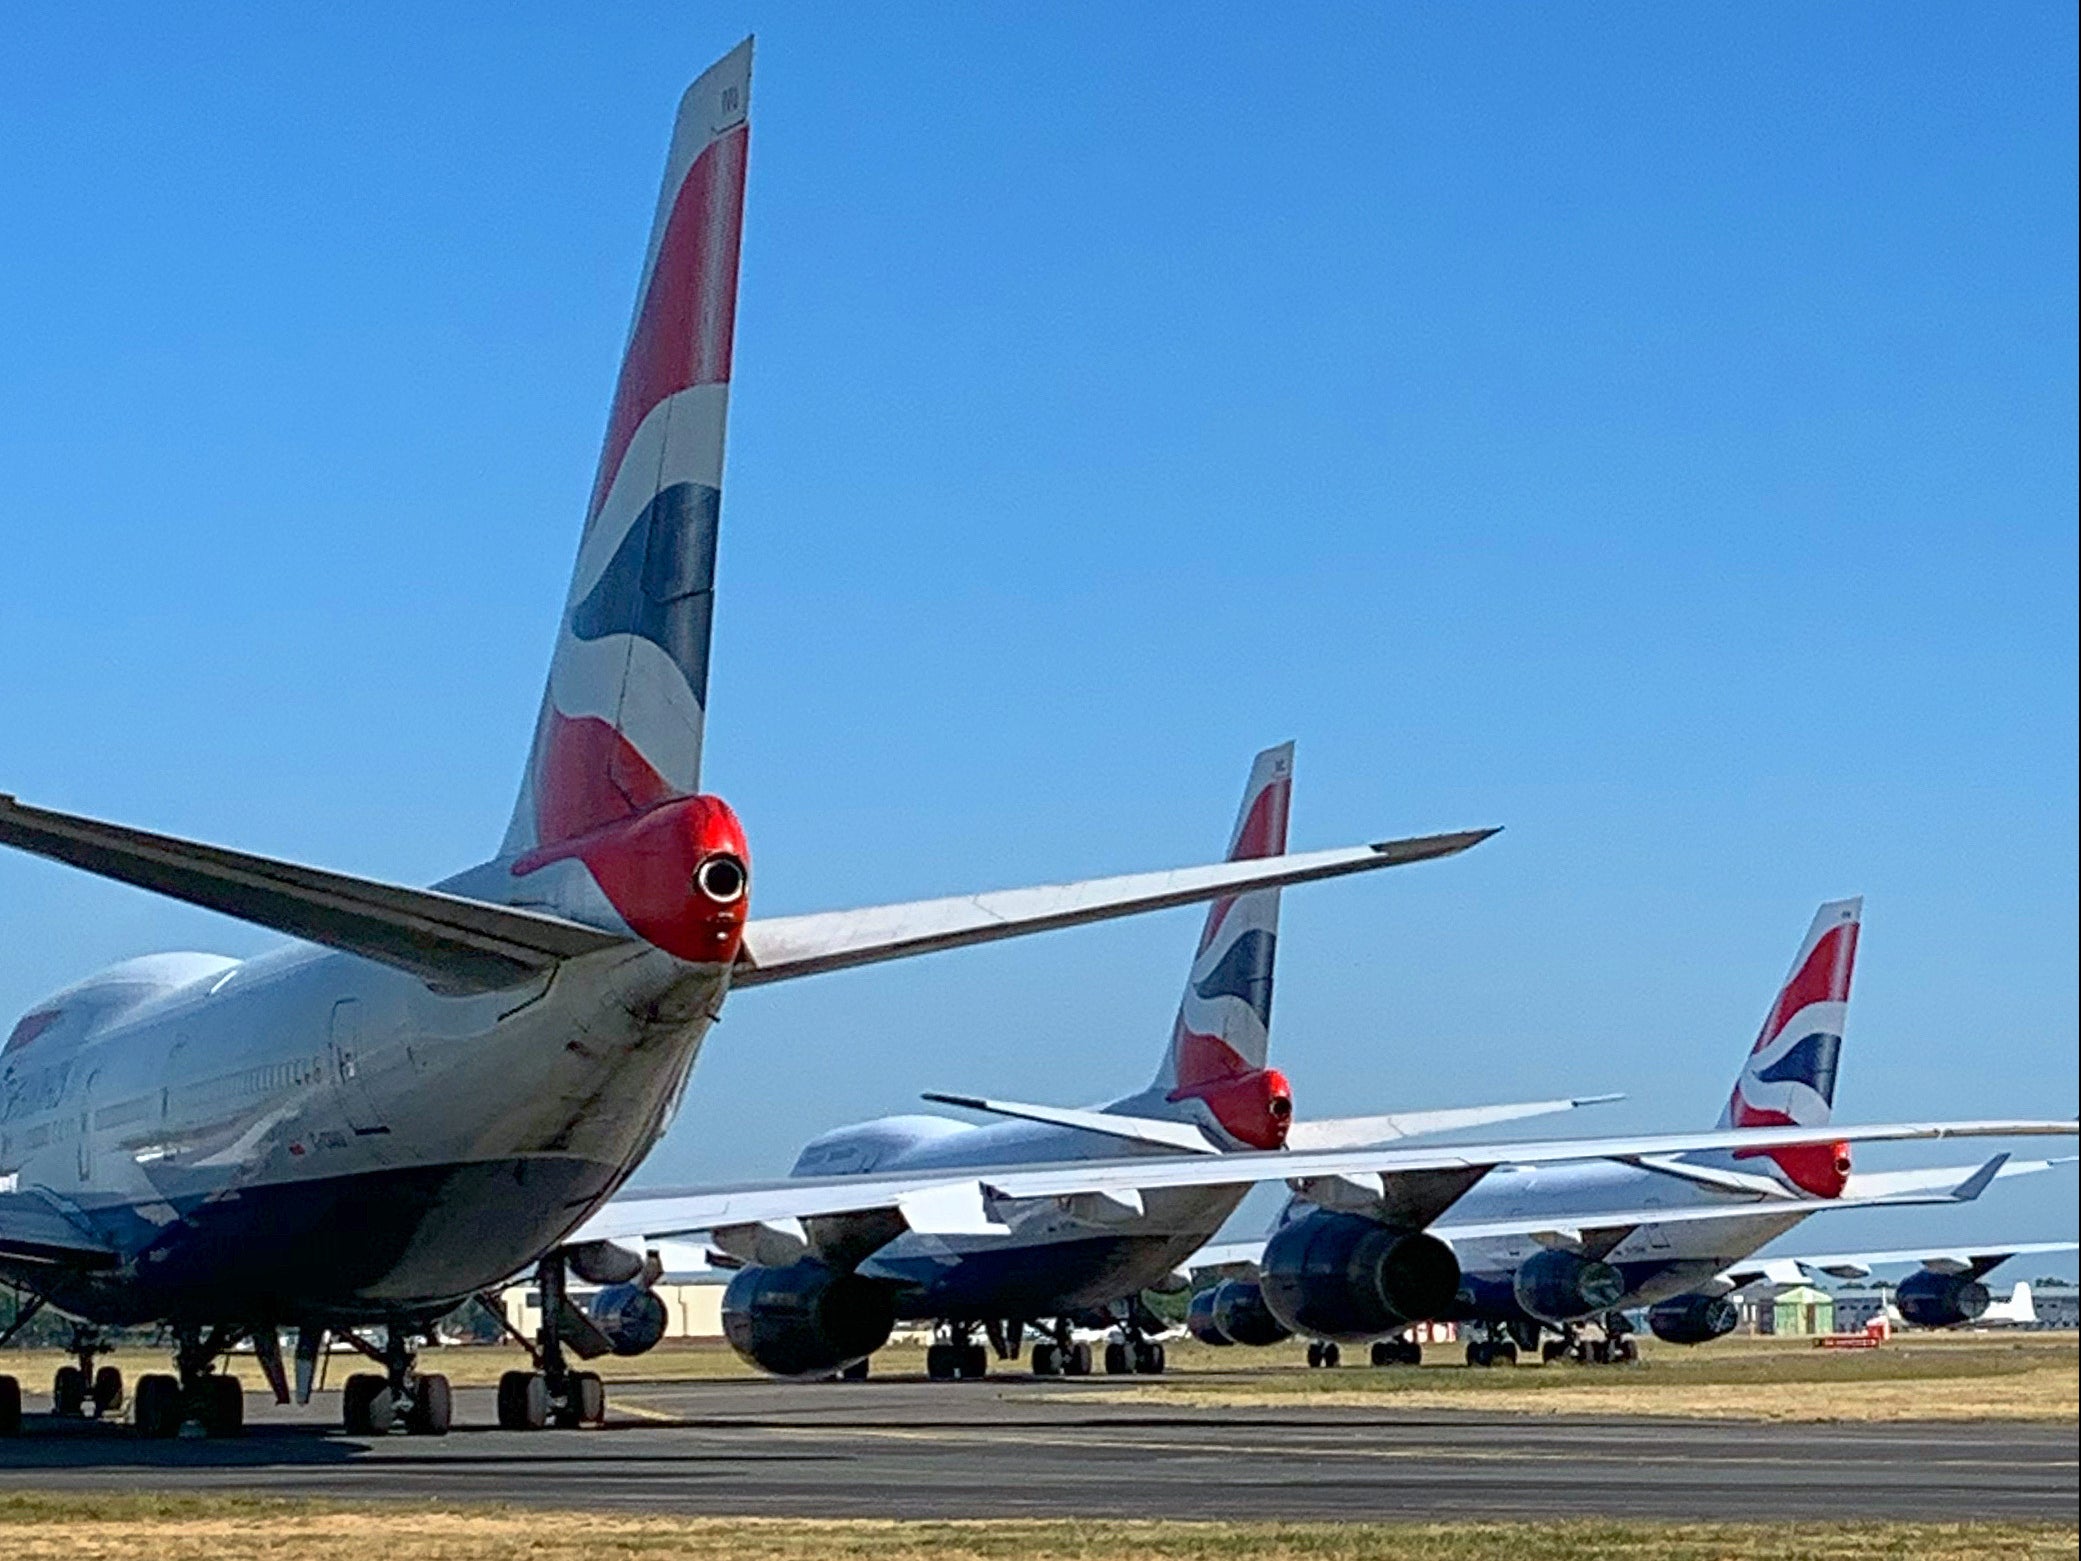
point(1649, 428)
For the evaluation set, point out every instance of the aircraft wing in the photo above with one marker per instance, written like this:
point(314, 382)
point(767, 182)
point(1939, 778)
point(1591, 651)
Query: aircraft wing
point(1365, 1132)
point(1407, 1186)
point(1974, 1260)
point(1600, 1231)
point(34, 1230)
point(1318, 1133)
point(451, 942)
point(779, 948)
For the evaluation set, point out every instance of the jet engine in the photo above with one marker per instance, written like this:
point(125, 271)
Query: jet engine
point(1199, 1319)
point(805, 1319)
point(1693, 1319)
point(1234, 1312)
point(1932, 1300)
point(1343, 1276)
point(1564, 1287)
point(632, 1318)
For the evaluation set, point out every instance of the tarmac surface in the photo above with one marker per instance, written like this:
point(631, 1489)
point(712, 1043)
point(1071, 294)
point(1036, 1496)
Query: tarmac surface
point(1013, 1448)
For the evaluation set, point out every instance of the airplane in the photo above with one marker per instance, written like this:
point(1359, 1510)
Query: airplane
point(1567, 1250)
point(1945, 1291)
point(431, 1088)
point(1367, 1252)
point(1085, 1260)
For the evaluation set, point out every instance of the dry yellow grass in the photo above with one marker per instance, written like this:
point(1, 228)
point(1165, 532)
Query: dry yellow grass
point(118, 1528)
point(1919, 1377)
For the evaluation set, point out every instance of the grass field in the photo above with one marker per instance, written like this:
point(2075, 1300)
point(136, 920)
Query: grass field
point(77, 1527)
point(1919, 1376)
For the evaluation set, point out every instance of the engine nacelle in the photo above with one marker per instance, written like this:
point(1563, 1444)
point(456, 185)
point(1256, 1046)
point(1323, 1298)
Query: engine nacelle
point(1564, 1287)
point(805, 1320)
point(633, 1319)
point(1693, 1319)
point(1236, 1314)
point(1343, 1276)
point(1199, 1319)
point(1933, 1300)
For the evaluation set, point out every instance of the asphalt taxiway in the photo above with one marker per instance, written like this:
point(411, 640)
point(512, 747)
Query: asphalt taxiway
point(1013, 1448)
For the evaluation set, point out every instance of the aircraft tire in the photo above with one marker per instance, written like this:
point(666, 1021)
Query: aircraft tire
point(1625, 1351)
point(589, 1398)
point(108, 1391)
point(357, 1403)
point(156, 1406)
point(1117, 1364)
point(1332, 1357)
point(974, 1362)
point(68, 1391)
point(432, 1409)
point(223, 1406)
point(10, 1406)
point(1047, 1359)
point(523, 1401)
point(1079, 1362)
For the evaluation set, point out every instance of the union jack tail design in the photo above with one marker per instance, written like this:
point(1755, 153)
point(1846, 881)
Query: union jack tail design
point(621, 720)
point(1222, 1036)
point(1789, 1078)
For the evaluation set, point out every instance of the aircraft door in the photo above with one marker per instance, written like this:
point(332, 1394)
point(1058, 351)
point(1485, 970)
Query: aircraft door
point(351, 1058)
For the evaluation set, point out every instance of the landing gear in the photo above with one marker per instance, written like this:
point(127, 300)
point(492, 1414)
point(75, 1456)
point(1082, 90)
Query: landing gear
point(1602, 1341)
point(956, 1354)
point(1325, 1354)
point(1397, 1352)
point(1061, 1354)
point(1134, 1353)
point(82, 1389)
point(400, 1396)
point(551, 1394)
point(1493, 1347)
point(199, 1395)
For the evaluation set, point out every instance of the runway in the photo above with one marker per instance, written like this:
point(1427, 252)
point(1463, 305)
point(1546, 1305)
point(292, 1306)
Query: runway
point(1010, 1448)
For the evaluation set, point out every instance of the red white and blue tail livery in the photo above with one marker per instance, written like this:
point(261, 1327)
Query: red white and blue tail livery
point(1222, 1036)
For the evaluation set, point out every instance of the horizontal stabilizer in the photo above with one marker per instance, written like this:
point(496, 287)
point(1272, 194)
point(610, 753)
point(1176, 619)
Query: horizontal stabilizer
point(452, 943)
point(1137, 1130)
point(1362, 1132)
point(779, 948)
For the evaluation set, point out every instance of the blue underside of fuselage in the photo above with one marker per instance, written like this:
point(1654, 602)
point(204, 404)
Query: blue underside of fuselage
point(392, 1243)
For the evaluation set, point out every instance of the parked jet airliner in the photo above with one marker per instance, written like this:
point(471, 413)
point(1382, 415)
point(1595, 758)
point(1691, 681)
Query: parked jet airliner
point(1564, 1250)
point(435, 1086)
point(1084, 1261)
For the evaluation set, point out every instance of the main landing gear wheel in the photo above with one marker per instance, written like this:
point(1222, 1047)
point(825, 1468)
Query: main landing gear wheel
point(107, 1394)
point(523, 1401)
point(1146, 1357)
point(223, 1406)
point(1047, 1359)
point(156, 1406)
point(585, 1401)
point(432, 1409)
point(1117, 1362)
point(10, 1407)
point(1325, 1354)
point(1397, 1352)
point(68, 1391)
point(366, 1405)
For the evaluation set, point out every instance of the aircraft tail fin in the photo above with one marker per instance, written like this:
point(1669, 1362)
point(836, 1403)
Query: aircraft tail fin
point(621, 720)
point(1789, 1077)
point(1221, 1039)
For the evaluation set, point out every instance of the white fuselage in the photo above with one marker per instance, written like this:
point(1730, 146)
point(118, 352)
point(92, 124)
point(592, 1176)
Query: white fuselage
point(308, 1135)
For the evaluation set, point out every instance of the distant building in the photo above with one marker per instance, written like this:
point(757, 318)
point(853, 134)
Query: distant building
point(1799, 1312)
